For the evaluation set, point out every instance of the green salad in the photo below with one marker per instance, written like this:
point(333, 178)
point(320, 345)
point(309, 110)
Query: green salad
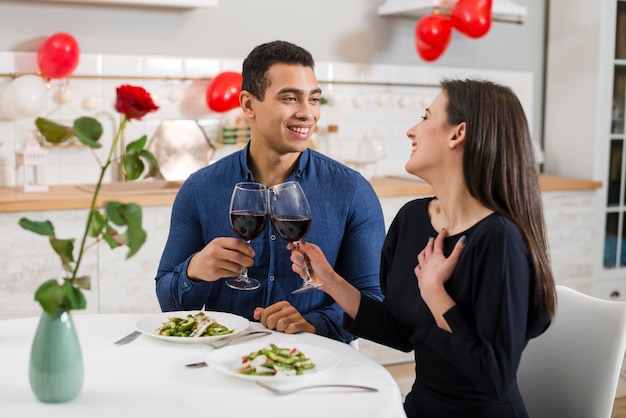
point(273, 360)
point(198, 325)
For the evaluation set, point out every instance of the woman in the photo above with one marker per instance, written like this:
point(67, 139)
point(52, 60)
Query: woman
point(465, 274)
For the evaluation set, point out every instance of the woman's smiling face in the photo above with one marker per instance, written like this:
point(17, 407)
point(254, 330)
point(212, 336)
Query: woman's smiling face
point(430, 138)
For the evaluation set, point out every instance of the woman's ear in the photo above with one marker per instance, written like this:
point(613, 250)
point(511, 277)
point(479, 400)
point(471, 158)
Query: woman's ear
point(458, 137)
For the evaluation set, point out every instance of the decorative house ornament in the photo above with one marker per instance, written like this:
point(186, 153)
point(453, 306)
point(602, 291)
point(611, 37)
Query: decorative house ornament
point(30, 166)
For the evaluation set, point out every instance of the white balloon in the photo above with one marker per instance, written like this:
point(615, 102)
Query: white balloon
point(382, 100)
point(25, 96)
point(63, 95)
point(359, 102)
point(90, 103)
point(405, 102)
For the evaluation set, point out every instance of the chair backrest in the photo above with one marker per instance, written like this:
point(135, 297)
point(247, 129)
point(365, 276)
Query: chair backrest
point(572, 370)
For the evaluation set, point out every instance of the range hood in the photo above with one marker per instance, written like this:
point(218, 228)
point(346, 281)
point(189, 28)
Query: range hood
point(501, 10)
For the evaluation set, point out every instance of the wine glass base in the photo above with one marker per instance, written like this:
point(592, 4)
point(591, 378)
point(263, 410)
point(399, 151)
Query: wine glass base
point(238, 283)
point(307, 287)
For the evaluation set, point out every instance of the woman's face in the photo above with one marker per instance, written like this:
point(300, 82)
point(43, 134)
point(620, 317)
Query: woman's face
point(430, 139)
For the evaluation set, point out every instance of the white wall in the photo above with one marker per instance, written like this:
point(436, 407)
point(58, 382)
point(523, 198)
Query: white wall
point(339, 31)
point(98, 75)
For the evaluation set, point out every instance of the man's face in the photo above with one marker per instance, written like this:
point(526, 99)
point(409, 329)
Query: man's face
point(286, 118)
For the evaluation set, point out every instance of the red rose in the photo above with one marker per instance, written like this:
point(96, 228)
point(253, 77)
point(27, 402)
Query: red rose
point(134, 102)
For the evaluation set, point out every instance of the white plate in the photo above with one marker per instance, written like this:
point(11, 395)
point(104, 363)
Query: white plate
point(150, 324)
point(227, 359)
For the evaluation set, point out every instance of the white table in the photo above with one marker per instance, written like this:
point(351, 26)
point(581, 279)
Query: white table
point(147, 378)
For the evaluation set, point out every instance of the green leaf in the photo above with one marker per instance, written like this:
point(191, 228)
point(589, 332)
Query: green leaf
point(53, 132)
point(113, 238)
point(50, 296)
point(73, 296)
point(65, 249)
point(133, 160)
point(88, 131)
point(133, 167)
point(136, 237)
point(83, 282)
point(130, 215)
point(98, 222)
point(136, 146)
point(153, 164)
point(41, 228)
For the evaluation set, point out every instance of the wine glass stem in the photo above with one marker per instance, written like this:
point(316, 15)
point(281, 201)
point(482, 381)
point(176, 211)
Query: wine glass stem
point(243, 275)
point(308, 279)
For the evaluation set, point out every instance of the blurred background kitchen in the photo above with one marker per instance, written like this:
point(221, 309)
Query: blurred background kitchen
point(564, 58)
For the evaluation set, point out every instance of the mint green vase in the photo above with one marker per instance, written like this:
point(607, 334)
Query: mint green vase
point(56, 370)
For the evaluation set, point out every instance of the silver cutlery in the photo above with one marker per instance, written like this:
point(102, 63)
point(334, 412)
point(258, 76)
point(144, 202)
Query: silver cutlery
point(196, 365)
point(130, 337)
point(328, 385)
point(223, 342)
point(226, 341)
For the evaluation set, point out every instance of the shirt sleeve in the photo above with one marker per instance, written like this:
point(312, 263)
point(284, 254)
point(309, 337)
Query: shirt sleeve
point(174, 289)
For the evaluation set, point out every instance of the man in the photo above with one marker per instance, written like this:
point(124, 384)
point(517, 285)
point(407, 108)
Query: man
point(280, 99)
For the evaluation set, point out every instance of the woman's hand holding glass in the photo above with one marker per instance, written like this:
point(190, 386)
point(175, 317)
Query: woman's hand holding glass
point(291, 217)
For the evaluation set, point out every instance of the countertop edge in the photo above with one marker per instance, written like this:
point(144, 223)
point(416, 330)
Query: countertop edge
point(69, 197)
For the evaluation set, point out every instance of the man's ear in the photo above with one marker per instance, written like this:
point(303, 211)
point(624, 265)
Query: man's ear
point(458, 137)
point(246, 103)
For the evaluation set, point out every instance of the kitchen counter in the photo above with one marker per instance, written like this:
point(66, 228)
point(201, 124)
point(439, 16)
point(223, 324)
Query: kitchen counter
point(162, 193)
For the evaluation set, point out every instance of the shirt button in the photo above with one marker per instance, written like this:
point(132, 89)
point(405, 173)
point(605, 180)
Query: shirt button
point(273, 237)
point(271, 278)
point(185, 284)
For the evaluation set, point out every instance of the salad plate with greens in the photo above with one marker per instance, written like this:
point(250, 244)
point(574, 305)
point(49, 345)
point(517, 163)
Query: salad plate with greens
point(192, 326)
point(272, 362)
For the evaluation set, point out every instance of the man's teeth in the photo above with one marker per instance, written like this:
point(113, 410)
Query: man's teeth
point(300, 130)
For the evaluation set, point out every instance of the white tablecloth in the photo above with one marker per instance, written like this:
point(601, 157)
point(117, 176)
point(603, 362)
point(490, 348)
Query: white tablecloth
point(147, 378)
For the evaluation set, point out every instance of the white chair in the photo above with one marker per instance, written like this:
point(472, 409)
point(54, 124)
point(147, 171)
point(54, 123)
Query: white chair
point(572, 370)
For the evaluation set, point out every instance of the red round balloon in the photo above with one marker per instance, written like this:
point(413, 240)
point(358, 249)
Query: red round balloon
point(432, 36)
point(222, 93)
point(57, 56)
point(472, 17)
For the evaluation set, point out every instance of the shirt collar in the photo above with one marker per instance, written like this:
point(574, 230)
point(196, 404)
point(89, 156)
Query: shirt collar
point(303, 160)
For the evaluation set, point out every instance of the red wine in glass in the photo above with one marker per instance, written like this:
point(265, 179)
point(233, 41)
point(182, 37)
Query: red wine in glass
point(248, 224)
point(291, 228)
point(291, 217)
point(248, 216)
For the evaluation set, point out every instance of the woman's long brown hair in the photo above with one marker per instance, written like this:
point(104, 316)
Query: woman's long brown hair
point(499, 167)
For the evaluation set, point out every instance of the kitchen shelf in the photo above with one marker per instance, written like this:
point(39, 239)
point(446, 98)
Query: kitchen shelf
point(501, 11)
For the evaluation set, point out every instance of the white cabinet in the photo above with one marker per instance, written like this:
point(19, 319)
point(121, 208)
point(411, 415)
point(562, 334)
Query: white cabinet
point(584, 133)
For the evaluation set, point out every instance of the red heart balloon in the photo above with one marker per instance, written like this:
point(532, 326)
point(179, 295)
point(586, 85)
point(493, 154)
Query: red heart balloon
point(58, 55)
point(471, 17)
point(432, 36)
point(222, 93)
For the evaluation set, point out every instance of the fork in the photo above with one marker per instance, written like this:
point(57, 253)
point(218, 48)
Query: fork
point(328, 385)
point(226, 341)
point(130, 337)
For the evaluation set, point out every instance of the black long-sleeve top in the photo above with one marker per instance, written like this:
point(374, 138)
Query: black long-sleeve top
point(470, 372)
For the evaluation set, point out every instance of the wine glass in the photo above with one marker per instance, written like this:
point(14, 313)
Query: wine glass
point(291, 217)
point(248, 216)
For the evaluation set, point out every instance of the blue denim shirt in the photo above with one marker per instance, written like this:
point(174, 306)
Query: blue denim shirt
point(346, 222)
